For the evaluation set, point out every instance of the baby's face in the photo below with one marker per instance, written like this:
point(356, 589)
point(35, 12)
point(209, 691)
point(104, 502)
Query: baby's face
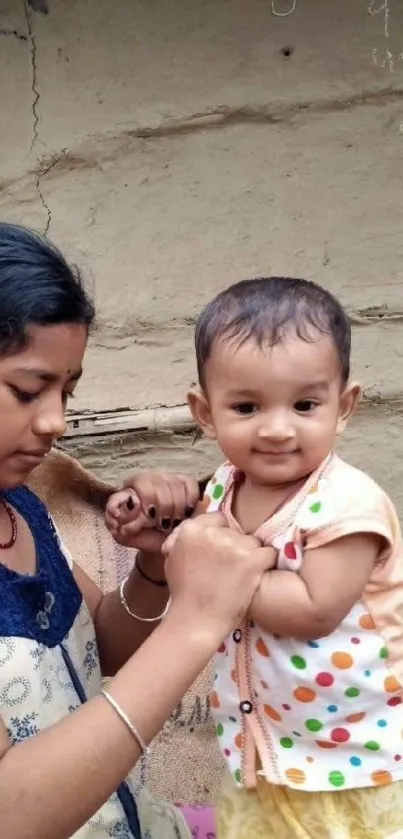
point(275, 411)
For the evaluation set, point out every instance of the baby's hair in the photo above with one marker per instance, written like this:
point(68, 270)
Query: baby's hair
point(266, 309)
point(37, 287)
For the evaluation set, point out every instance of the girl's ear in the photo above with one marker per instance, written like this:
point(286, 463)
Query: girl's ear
point(200, 409)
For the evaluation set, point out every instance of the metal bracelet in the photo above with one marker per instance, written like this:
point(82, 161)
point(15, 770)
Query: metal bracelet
point(133, 614)
point(132, 728)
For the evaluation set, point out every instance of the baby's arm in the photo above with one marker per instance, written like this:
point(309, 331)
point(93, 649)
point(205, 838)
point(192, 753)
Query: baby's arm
point(312, 603)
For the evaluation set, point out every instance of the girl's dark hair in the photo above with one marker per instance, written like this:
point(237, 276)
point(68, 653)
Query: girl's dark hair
point(266, 309)
point(37, 286)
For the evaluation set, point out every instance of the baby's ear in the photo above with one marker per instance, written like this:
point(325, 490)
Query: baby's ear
point(200, 410)
point(348, 403)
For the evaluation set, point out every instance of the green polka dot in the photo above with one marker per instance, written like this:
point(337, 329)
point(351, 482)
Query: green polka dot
point(218, 491)
point(372, 745)
point(314, 508)
point(313, 725)
point(237, 776)
point(351, 693)
point(298, 662)
point(286, 743)
point(219, 729)
point(336, 779)
point(383, 653)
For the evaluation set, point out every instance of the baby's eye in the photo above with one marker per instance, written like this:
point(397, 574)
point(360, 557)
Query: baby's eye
point(304, 406)
point(245, 408)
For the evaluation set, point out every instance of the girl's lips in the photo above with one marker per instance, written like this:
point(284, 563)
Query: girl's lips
point(31, 457)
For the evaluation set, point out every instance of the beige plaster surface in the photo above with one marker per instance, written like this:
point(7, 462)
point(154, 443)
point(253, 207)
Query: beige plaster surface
point(171, 148)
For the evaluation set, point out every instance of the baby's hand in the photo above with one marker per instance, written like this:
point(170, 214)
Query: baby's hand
point(149, 507)
point(272, 558)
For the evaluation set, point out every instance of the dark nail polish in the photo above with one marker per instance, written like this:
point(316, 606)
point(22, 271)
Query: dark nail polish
point(152, 512)
point(130, 503)
point(189, 512)
point(166, 523)
point(176, 523)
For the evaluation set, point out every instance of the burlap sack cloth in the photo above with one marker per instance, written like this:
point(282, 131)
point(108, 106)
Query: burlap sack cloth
point(184, 763)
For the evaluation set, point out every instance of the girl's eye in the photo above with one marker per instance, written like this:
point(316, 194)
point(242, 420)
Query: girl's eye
point(245, 408)
point(305, 405)
point(23, 396)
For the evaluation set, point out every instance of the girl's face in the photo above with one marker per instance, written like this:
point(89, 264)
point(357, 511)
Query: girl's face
point(35, 384)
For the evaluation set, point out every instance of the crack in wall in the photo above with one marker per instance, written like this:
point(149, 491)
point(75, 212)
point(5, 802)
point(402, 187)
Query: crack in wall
point(13, 33)
point(35, 113)
point(375, 314)
point(110, 143)
point(225, 116)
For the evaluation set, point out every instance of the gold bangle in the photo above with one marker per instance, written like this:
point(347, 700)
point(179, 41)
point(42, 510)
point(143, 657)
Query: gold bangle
point(133, 614)
point(128, 723)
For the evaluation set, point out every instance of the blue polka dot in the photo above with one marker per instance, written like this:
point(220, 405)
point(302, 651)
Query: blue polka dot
point(313, 644)
point(382, 723)
point(355, 761)
point(332, 709)
point(232, 719)
point(367, 673)
point(296, 734)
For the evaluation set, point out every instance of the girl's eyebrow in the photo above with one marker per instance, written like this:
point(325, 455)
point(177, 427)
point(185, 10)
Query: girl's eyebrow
point(45, 376)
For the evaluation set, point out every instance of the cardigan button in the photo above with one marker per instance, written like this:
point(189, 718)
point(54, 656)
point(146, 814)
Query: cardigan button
point(246, 707)
point(237, 636)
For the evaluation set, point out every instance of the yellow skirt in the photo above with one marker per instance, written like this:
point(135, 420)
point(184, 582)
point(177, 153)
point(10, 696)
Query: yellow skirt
point(283, 813)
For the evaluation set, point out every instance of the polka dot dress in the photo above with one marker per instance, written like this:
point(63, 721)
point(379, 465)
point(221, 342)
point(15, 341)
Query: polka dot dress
point(324, 714)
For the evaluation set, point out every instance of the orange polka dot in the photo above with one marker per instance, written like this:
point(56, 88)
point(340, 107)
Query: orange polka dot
point(355, 717)
point(313, 489)
point(296, 776)
point(205, 501)
point(391, 684)
point(239, 740)
point(324, 744)
point(214, 700)
point(234, 676)
point(342, 660)
point(272, 713)
point(366, 621)
point(304, 694)
point(261, 648)
point(309, 760)
point(381, 777)
point(264, 684)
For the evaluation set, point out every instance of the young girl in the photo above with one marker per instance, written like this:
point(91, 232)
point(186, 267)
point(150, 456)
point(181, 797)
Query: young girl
point(66, 745)
point(308, 689)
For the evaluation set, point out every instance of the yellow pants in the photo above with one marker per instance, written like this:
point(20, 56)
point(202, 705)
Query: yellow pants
point(278, 812)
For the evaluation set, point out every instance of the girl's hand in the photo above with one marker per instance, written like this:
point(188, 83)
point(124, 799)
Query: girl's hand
point(149, 507)
point(213, 572)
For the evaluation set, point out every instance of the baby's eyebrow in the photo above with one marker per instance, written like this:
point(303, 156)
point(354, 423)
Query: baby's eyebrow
point(240, 392)
point(317, 386)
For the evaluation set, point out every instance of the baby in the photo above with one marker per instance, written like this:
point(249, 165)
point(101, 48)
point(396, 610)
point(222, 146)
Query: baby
point(308, 689)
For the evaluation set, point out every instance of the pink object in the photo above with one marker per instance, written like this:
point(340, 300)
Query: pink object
point(200, 820)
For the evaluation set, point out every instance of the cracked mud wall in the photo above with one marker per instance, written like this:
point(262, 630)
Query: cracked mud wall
point(172, 148)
